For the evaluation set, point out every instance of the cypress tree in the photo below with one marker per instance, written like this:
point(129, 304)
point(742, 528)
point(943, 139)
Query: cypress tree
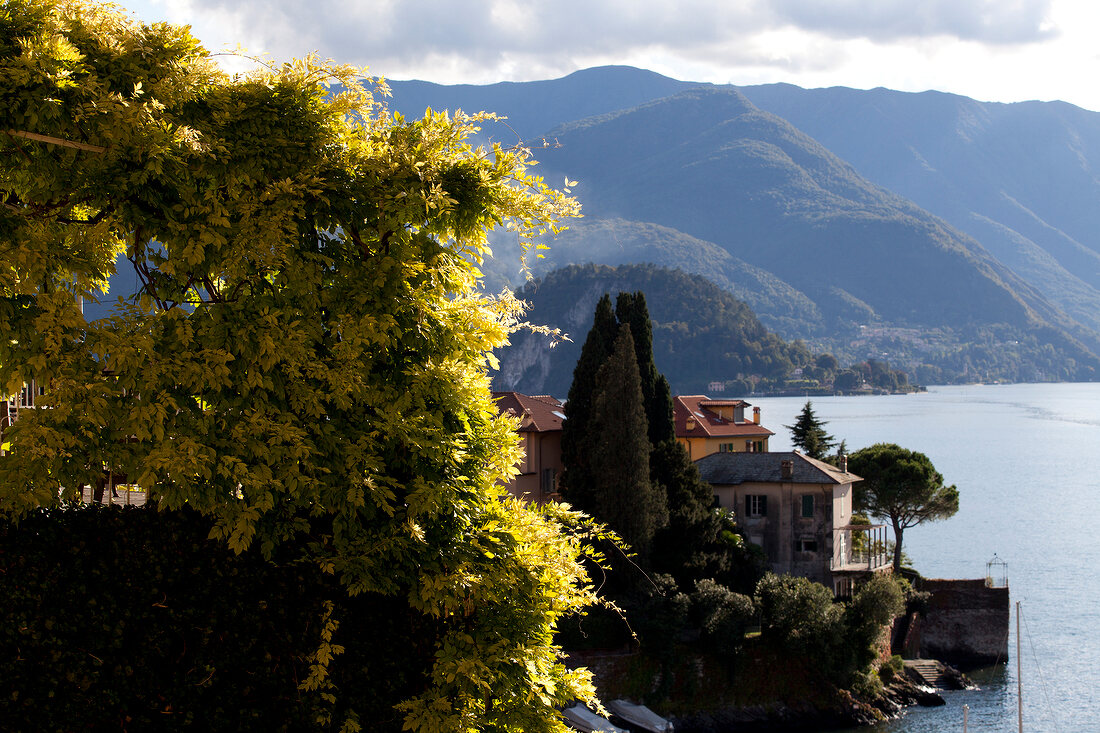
point(686, 541)
point(623, 497)
point(576, 451)
point(630, 308)
point(692, 527)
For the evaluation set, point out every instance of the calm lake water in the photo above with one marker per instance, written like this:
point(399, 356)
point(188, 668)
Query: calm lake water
point(1026, 460)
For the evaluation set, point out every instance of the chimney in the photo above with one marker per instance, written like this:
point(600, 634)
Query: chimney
point(756, 415)
point(786, 468)
point(844, 462)
point(690, 424)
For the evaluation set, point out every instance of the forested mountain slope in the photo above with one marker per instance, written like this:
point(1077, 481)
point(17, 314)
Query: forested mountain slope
point(768, 194)
point(1023, 179)
point(823, 246)
point(700, 331)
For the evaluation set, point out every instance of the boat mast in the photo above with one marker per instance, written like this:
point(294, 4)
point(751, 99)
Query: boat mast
point(1019, 680)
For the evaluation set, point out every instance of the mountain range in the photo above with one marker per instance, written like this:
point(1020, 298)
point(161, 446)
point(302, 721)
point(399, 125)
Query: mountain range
point(929, 229)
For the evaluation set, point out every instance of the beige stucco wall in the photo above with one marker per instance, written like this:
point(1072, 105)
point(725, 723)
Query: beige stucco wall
point(541, 451)
point(701, 447)
point(781, 529)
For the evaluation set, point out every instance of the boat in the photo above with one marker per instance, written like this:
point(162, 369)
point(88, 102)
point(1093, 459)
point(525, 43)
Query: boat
point(581, 718)
point(640, 716)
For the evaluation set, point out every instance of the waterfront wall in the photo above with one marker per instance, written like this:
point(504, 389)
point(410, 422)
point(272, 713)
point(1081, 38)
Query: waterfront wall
point(966, 624)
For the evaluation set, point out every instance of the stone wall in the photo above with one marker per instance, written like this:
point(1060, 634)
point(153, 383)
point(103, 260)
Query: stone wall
point(966, 624)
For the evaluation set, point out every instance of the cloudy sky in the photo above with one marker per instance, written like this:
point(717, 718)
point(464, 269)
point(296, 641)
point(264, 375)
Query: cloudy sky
point(992, 50)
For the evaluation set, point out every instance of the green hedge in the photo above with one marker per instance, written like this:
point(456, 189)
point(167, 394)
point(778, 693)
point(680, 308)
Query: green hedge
point(131, 619)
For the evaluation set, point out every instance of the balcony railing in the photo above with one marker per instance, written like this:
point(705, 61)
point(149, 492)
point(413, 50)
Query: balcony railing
point(856, 561)
point(860, 548)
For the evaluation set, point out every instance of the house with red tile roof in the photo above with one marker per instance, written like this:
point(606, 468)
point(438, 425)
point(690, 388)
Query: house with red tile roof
point(705, 426)
point(541, 418)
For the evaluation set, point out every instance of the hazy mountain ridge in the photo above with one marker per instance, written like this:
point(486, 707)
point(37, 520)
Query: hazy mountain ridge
point(770, 195)
point(613, 242)
point(534, 107)
point(754, 171)
point(1021, 178)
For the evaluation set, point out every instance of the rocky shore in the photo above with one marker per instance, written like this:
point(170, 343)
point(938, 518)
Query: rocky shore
point(844, 711)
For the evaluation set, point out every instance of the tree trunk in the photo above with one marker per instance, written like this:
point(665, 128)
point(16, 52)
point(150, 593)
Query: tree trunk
point(898, 531)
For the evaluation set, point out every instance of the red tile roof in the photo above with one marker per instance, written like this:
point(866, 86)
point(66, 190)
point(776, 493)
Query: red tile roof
point(540, 413)
point(709, 424)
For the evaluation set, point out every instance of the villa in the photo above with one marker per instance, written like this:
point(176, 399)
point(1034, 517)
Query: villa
point(799, 510)
point(705, 426)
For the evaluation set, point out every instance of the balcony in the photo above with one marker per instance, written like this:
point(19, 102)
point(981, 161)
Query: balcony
point(860, 548)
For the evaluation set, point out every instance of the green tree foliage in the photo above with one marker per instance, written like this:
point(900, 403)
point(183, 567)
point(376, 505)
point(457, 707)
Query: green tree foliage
point(577, 457)
point(688, 546)
point(623, 497)
point(903, 486)
point(305, 363)
point(848, 380)
point(808, 433)
point(838, 640)
point(721, 615)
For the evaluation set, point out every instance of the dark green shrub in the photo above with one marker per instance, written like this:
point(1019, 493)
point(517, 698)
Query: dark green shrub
point(659, 616)
point(872, 609)
point(722, 616)
point(797, 612)
point(131, 619)
point(800, 619)
point(891, 668)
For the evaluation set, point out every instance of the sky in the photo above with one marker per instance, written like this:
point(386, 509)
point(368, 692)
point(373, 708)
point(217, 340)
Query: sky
point(991, 50)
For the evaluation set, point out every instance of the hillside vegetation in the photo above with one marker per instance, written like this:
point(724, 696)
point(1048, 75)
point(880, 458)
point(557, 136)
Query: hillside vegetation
point(929, 230)
point(700, 331)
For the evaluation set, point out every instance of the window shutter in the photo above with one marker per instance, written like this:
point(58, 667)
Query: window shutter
point(763, 505)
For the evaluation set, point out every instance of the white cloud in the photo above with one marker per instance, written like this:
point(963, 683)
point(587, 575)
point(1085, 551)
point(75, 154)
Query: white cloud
point(989, 21)
point(989, 49)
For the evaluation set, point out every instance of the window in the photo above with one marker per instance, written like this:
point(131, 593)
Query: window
point(807, 506)
point(717, 502)
point(725, 448)
point(549, 481)
point(807, 544)
point(756, 505)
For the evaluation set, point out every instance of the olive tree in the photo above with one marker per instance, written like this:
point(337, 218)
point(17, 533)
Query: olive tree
point(305, 362)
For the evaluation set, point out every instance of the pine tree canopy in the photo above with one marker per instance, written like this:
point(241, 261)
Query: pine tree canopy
point(808, 434)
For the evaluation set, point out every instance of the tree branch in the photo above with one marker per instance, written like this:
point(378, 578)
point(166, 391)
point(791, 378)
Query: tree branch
point(55, 141)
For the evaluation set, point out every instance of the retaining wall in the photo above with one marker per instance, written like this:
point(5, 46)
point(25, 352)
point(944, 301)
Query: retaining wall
point(966, 624)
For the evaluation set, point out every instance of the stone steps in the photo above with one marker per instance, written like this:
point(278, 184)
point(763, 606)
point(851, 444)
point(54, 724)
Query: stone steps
point(928, 672)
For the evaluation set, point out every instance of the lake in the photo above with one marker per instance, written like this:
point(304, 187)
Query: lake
point(1026, 460)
